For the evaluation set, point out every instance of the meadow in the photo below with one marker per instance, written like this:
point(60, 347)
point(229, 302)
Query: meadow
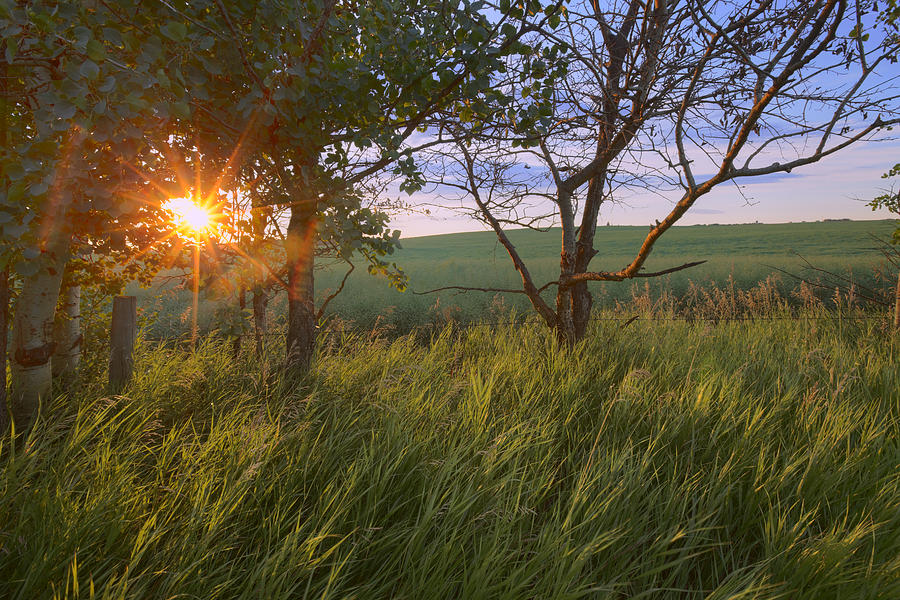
point(666, 459)
point(747, 449)
point(738, 256)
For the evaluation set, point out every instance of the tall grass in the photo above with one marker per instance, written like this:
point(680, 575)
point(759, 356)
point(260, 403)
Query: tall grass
point(666, 459)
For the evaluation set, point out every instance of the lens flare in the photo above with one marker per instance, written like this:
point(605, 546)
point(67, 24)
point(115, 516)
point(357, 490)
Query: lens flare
point(190, 217)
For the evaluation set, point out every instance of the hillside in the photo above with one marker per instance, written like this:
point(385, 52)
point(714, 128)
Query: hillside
point(740, 254)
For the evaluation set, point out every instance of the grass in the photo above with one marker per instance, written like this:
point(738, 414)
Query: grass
point(667, 459)
point(738, 255)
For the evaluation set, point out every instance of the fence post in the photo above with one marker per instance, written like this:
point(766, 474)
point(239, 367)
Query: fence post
point(123, 332)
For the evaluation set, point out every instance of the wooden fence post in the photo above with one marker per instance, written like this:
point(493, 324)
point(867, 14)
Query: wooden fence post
point(121, 342)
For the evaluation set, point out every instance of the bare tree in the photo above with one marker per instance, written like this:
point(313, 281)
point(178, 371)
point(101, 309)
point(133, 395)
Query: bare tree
point(672, 97)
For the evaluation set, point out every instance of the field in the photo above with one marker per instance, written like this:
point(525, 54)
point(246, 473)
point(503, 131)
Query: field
point(684, 455)
point(742, 254)
point(667, 459)
point(738, 256)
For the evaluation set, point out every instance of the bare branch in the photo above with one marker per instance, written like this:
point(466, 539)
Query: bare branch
point(623, 274)
point(334, 295)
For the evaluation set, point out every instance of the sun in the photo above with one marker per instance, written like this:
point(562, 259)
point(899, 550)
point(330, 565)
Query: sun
point(189, 217)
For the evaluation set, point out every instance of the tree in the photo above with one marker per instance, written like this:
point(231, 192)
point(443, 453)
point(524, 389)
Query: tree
point(74, 116)
point(327, 95)
point(108, 103)
point(676, 98)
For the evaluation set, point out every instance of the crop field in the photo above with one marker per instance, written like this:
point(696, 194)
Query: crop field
point(667, 459)
point(738, 256)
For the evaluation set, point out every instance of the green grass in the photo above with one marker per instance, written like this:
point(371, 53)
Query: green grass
point(668, 459)
point(740, 254)
point(737, 255)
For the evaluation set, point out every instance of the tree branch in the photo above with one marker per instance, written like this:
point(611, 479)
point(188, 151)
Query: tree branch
point(336, 292)
point(623, 274)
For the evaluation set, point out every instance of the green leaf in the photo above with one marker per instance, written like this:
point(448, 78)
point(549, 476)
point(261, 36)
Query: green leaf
point(181, 109)
point(82, 36)
point(38, 188)
point(96, 51)
point(108, 85)
point(89, 69)
point(113, 36)
point(11, 49)
point(174, 31)
point(163, 79)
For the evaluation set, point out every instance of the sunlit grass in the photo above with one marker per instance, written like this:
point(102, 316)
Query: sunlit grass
point(663, 460)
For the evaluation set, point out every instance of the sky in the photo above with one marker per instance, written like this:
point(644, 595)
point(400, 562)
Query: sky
point(837, 187)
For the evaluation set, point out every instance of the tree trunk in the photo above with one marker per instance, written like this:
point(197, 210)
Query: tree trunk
point(67, 336)
point(33, 337)
point(582, 303)
point(582, 299)
point(260, 305)
point(565, 321)
point(300, 247)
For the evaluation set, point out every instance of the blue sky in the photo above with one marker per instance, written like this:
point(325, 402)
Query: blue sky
point(837, 187)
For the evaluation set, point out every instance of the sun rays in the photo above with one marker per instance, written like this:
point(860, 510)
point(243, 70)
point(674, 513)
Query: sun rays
point(192, 220)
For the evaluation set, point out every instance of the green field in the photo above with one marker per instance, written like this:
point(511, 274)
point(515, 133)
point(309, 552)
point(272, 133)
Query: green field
point(744, 254)
point(666, 460)
point(737, 255)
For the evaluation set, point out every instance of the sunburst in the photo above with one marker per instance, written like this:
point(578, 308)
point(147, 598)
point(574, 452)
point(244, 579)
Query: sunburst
point(193, 221)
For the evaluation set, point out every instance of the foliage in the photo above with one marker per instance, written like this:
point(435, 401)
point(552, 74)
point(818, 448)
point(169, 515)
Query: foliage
point(889, 201)
point(83, 103)
point(673, 461)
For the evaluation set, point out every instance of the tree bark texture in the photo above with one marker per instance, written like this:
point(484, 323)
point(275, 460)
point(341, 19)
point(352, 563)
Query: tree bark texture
point(67, 335)
point(122, 335)
point(300, 247)
point(582, 299)
point(565, 318)
point(33, 344)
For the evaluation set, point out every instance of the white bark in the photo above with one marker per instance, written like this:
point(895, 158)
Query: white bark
point(67, 334)
point(33, 338)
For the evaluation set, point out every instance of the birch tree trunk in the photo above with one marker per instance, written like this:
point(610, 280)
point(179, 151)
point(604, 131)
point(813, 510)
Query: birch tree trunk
point(67, 334)
point(33, 344)
point(300, 246)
